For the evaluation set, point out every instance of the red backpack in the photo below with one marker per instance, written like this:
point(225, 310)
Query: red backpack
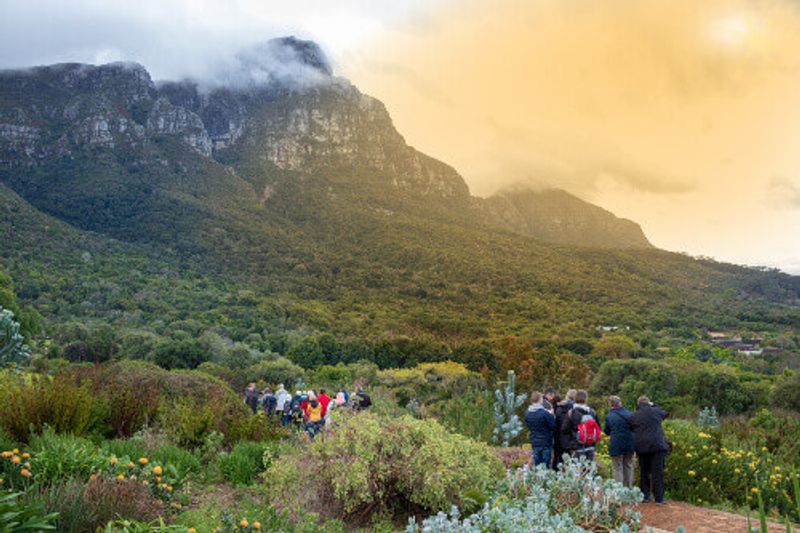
point(589, 431)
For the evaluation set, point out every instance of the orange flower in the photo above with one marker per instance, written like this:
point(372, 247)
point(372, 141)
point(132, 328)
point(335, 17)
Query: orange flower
point(15, 460)
point(25, 473)
point(157, 470)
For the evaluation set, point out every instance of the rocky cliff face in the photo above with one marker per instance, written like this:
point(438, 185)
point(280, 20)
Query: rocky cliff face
point(276, 107)
point(321, 123)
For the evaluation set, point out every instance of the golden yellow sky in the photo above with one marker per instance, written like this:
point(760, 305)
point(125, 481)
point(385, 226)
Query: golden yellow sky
point(683, 115)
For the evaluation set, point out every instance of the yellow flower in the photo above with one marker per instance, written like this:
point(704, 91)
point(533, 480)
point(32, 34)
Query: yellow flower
point(256, 525)
point(737, 470)
point(26, 455)
point(777, 469)
point(688, 455)
point(705, 478)
point(713, 461)
point(191, 530)
point(145, 483)
point(15, 451)
point(93, 476)
point(692, 473)
point(130, 465)
point(25, 473)
point(121, 477)
point(754, 490)
point(114, 460)
point(169, 488)
point(176, 505)
point(143, 460)
point(158, 480)
point(16, 460)
point(699, 500)
point(764, 449)
point(157, 470)
point(244, 523)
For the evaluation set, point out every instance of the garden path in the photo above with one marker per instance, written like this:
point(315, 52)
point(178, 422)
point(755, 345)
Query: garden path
point(696, 519)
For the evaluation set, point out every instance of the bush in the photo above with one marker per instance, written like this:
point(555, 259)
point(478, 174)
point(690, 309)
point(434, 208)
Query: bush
point(371, 465)
point(85, 507)
point(430, 381)
point(184, 462)
point(573, 500)
point(244, 463)
point(57, 457)
point(786, 394)
point(18, 516)
point(32, 402)
point(279, 370)
point(702, 470)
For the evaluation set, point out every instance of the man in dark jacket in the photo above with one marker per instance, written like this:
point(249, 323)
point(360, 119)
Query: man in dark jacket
point(562, 438)
point(579, 413)
point(651, 447)
point(541, 422)
point(620, 448)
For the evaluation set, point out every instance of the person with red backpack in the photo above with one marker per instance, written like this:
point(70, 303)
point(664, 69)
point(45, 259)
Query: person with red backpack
point(583, 427)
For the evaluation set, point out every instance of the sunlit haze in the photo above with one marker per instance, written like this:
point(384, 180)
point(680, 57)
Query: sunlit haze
point(683, 116)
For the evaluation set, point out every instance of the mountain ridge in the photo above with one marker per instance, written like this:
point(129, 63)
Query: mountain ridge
point(296, 206)
point(318, 125)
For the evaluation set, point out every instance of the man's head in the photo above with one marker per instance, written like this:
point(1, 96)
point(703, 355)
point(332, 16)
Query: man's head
point(614, 401)
point(536, 398)
point(571, 394)
point(643, 400)
point(581, 396)
point(322, 391)
point(550, 393)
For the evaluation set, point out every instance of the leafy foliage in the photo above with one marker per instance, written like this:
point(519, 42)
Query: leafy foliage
point(13, 350)
point(17, 516)
point(371, 464)
point(574, 499)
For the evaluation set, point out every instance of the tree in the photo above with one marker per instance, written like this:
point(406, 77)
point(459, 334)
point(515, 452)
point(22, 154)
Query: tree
point(615, 347)
point(507, 423)
point(13, 350)
point(185, 353)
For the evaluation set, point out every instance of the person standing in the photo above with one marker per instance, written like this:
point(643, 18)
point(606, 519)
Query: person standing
point(562, 438)
point(251, 397)
point(269, 402)
point(282, 399)
point(620, 448)
point(651, 447)
point(362, 400)
point(583, 427)
point(541, 423)
point(325, 401)
point(550, 398)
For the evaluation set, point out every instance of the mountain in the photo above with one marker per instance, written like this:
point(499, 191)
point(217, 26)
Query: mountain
point(556, 216)
point(278, 199)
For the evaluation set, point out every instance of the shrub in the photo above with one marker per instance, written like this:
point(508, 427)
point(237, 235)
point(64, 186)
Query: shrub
point(182, 461)
point(56, 457)
point(429, 381)
point(371, 465)
point(124, 447)
point(702, 470)
point(85, 507)
point(786, 394)
point(244, 463)
point(469, 415)
point(18, 516)
point(62, 403)
point(274, 371)
point(573, 500)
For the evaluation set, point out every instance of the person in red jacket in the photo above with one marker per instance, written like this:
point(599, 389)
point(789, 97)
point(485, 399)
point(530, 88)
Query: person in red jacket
point(324, 400)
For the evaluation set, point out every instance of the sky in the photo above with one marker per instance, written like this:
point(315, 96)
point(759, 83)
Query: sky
point(682, 115)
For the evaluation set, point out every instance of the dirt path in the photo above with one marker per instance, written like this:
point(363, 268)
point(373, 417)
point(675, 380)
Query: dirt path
point(697, 519)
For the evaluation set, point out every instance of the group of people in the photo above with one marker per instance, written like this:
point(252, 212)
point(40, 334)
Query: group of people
point(559, 426)
point(308, 410)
